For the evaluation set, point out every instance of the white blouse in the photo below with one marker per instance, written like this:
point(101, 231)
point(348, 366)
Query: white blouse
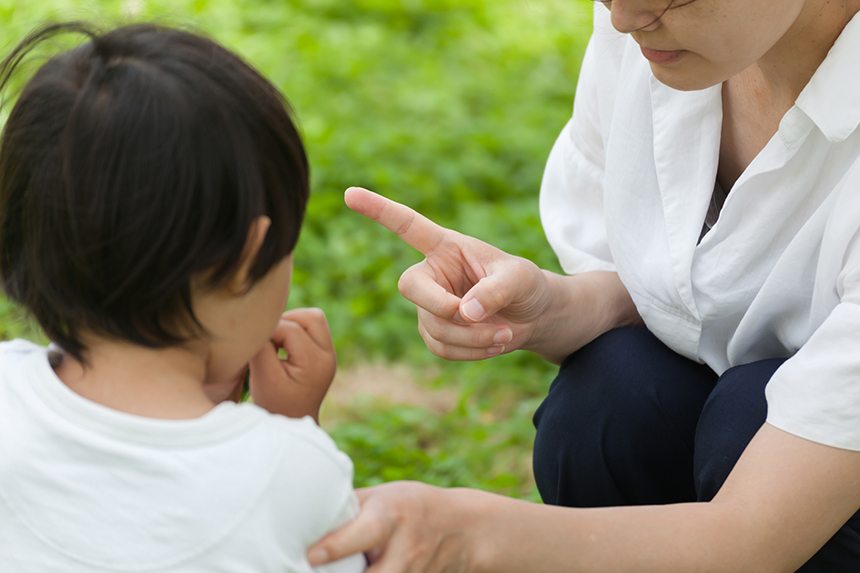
point(628, 185)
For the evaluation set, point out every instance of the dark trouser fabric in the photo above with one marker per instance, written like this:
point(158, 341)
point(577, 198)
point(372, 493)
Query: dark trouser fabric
point(629, 422)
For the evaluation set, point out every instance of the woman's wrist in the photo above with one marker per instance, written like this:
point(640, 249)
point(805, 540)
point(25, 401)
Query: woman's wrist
point(472, 513)
point(581, 308)
point(618, 308)
point(500, 534)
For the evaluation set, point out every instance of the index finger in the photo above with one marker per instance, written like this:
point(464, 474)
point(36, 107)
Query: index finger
point(414, 228)
point(313, 320)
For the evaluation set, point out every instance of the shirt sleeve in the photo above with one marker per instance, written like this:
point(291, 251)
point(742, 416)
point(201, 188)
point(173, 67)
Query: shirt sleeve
point(571, 197)
point(315, 495)
point(816, 393)
point(354, 563)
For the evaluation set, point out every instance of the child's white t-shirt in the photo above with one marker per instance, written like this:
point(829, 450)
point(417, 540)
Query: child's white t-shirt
point(87, 488)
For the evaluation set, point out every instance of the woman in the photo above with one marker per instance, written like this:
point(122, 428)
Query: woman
point(708, 187)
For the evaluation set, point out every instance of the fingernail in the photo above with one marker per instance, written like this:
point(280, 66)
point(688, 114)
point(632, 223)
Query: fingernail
point(317, 556)
point(473, 310)
point(503, 336)
point(495, 350)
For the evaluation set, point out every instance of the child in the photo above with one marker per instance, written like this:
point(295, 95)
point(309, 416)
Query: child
point(152, 188)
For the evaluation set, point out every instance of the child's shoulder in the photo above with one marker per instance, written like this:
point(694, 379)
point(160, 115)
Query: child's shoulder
point(311, 481)
point(19, 346)
point(275, 479)
point(17, 357)
point(304, 438)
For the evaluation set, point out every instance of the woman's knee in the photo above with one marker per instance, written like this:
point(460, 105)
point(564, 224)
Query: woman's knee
point(619, 422)
point(732, 415)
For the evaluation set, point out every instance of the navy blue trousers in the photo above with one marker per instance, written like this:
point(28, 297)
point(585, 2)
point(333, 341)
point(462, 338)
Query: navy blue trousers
point(629, 422)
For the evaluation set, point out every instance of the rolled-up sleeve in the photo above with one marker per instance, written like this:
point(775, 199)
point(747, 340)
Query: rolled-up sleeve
point(571, 197)
point(816, 393)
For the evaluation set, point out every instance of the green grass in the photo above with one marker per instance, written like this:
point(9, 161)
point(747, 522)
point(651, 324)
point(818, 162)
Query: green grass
point(450, 106)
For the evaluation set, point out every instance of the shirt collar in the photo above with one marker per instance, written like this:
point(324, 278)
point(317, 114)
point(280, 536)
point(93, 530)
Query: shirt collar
point(831, 99)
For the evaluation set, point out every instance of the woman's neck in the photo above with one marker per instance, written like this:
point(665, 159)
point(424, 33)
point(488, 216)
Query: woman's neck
point(755, 100)
point(783, 72)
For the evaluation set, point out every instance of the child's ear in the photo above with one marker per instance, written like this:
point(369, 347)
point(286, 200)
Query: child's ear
point(253, 242)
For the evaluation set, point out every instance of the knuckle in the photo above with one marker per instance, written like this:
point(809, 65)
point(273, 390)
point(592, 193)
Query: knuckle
point(496, 292)
point(404, 227)
point(445, 311)
point(444, 352)
point(406, 283)
point(430, 324)
point(416, 553)
point(434, 345)
point(316, 313)
point(475, 355)
point(429, 341)
point(441, 350)
point(403, 286)
point(479, 338)
point(377, 529)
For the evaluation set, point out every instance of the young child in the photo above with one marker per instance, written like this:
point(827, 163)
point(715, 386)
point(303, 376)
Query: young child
point(152, 188)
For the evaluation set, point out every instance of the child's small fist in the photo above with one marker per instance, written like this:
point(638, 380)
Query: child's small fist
point(296, 385)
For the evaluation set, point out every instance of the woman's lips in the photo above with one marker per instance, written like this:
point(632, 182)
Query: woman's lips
point(662, 56)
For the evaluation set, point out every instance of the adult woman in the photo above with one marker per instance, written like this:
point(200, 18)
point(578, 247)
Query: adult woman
point(758, 98)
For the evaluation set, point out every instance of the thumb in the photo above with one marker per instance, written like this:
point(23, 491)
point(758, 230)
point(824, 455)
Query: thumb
point(266, 364)
point(366, 532)
point(490, 295)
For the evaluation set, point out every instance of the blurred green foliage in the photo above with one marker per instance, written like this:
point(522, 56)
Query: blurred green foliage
point(485, 441)
point(465, 447)
point(450, 106)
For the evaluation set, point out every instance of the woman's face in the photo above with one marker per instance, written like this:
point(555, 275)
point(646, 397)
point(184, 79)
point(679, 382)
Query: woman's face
point(700, 43)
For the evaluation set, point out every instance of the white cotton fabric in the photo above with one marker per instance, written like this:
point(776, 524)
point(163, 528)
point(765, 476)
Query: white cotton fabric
point(627, 187)
point(87, 488)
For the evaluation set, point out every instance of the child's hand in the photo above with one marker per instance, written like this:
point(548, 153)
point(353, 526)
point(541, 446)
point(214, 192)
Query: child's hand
point(295, 386)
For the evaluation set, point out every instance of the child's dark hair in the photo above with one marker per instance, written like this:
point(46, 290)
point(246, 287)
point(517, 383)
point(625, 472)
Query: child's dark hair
point(132, 165)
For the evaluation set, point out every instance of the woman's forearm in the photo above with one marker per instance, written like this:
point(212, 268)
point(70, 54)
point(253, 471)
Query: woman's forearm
point(581, 308)
point(785, 498)
point(516, 536)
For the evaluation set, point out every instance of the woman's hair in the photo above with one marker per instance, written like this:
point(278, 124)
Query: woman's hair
point(132, 165)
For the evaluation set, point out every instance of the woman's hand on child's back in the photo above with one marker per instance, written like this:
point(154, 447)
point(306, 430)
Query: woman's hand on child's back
point(296, 385)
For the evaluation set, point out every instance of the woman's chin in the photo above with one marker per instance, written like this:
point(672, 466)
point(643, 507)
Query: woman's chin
point(687, 77)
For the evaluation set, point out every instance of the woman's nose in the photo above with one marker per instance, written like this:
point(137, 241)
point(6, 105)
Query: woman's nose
point(631, 15)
